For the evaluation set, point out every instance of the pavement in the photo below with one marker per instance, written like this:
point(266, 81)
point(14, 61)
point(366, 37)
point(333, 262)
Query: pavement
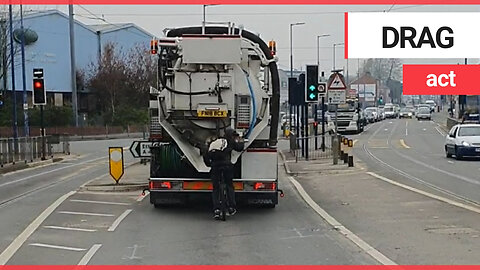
point(20, 165)
point(404, 224)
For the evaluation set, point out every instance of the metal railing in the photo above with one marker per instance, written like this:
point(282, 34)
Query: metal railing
point(29, 149)
point(310, 148)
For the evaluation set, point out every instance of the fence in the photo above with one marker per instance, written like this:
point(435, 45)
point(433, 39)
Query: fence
point(310, 148)
point(29, 149)
point(7, 132)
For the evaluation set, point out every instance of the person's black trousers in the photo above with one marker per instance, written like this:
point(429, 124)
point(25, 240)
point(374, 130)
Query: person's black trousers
point(216, 174)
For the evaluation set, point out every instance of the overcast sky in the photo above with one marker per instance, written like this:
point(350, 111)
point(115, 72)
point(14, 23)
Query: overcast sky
point(272, 22)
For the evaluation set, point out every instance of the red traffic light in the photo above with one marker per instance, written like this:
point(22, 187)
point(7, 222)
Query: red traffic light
point(37, 84)
point(315, 124)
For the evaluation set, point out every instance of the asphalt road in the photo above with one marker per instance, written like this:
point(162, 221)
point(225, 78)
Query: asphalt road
point(412, 152)
point(25, 194)
point(121, 228)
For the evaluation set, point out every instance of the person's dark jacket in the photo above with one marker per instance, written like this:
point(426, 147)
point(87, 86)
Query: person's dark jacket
point(223, 158)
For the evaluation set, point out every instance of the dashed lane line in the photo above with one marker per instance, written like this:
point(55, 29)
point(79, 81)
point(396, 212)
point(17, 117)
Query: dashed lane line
point(377, 255)
point(89, 255)
point(118, 220)
point(69, 229)
point(99, 202)
point(22, 237)
point(85, 214)
point(57, 247)
point(428, 194)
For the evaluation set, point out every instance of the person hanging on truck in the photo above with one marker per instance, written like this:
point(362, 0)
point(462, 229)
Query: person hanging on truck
point(218, 158)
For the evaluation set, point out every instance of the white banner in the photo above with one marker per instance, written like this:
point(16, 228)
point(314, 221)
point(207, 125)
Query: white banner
point(412, 35)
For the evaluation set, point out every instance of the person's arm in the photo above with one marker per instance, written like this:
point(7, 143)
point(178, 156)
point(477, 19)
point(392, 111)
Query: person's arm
point(237, 144)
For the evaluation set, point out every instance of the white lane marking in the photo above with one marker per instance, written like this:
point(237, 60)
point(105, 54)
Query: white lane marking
point(56, 247)
point(406, 128)
point(89, 255)
point(451, 162)
point(428, 194)
point(440, 131)
point(118, 220)
point(340, 228)
point(402, 142)
point(386, 129)
point(390, 122)
point(139, 199)
point(21, 238)
point(47, 172)
point(424, 129)
point(99, 202)
point(86, 214)
point(69, 229)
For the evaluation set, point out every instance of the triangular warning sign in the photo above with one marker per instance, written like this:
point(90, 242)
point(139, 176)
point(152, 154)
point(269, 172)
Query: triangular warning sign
point(337, 82)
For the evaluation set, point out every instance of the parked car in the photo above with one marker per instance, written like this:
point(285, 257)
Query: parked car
point(463, 140)
point(405, 113)
point(424, 113)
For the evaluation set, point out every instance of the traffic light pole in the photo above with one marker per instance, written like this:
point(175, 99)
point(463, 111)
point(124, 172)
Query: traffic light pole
point(323, 124)
point(306, 131)
point(42, 130)
point(315, 130)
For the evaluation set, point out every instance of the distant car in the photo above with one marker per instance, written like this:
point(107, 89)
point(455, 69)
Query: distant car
point(405, 113)
point(463, 140)
point(381, 113)
point(390, 111)
point(411, 109)
point(424, 113)
point(371, 114)
point(432, 105)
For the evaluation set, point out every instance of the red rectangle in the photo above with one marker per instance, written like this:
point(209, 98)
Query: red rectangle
point(449, 79)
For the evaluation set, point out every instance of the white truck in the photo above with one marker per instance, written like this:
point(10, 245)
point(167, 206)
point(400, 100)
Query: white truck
point(211, 78)
point(350, 117)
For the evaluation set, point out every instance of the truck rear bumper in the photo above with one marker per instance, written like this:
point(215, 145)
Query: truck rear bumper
point(176, 197)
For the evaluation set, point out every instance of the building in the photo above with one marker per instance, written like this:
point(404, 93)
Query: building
point(51, 51)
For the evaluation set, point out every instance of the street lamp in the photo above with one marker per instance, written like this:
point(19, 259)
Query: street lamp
point(291, 73)
point(323, 101)
point(335, 45)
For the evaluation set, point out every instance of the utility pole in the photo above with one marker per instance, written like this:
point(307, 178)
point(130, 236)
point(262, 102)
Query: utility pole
point(14, 96)
point(73, 71)
point(24, 82)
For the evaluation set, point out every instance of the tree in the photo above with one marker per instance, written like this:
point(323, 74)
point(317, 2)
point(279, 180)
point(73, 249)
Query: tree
point(384, 69)
point(120, 84)
point(5, 53)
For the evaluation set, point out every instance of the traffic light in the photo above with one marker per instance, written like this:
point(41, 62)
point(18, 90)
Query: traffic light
point(39, 94)
point(311, 85)
point(153, 46)
point(380, 101)
point(272, 45)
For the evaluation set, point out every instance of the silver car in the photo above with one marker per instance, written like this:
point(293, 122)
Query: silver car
point(424, 113)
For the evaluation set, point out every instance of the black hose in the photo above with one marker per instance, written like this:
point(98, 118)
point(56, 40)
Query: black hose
point(275, 100)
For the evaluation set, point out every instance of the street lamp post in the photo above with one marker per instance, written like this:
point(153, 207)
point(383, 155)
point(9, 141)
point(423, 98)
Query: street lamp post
point(291, 75)
point(323, 101)
point(335, 45)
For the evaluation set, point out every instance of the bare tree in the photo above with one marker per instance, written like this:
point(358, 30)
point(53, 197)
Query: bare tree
point(384, 69)
point(5, 53)
point(120, 81)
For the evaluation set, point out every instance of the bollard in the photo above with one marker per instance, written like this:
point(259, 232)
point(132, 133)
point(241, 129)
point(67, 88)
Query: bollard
point(345, 141)
point(345, 158)
point(350, 161)
point(335, 149)
point(350, 143)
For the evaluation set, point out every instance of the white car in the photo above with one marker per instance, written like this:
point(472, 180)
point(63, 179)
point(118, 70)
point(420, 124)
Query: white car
point(463, 140)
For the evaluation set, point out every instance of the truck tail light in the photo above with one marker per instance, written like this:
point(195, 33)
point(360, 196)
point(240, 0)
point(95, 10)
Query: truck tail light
point(160, 185)
point(265, 186)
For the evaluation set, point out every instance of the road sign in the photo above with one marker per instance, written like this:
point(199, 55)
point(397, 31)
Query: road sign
point(140, 149)
point(336, 96)
point(337, 82)
point(322, 88)
point(115, 155)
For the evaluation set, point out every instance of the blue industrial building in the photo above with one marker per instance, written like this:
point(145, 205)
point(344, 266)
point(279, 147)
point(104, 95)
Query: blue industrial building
point(51, 51)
